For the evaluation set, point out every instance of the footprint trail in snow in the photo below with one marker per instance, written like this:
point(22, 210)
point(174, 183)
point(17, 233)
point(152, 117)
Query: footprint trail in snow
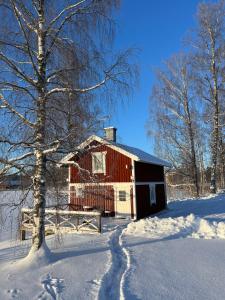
point(53, 288)
point(112, 284)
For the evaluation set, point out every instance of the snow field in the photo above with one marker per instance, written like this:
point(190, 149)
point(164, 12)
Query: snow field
point(176, 255)
point(73, 270)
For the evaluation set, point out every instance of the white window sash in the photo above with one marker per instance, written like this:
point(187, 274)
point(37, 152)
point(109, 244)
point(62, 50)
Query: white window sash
point(103, 163)
point(79, 192)
point(152, 194)
point(122, 196)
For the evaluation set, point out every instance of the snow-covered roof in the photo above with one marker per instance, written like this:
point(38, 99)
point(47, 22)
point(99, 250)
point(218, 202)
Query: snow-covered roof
point(66, 159)
point(134, 153)
point(144, 156)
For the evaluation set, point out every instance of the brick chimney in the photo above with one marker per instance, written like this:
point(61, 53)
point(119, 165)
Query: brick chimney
point(110, 134)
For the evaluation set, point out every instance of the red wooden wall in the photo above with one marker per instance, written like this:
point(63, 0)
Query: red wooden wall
point(144, 208)
point(98, 197)
point(148, 173)
point(118, 166)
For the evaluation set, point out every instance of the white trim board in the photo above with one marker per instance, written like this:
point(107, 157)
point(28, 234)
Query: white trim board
point(100, 183)
point(134, 192)
point(149, 182)
point(107, 143)
point(116, 183)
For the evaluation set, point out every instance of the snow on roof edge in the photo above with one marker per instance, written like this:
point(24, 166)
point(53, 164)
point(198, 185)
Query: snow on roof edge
point(145, 157)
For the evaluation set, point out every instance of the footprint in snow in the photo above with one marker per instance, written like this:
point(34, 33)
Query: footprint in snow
point(95, 287)
point(53, 288)
point(14, 293)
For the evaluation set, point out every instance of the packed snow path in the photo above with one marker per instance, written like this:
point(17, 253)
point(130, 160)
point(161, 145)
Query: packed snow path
point(111, 284)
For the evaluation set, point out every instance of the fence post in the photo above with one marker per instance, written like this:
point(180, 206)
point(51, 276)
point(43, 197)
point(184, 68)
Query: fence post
point(22, 235)
point(77, 222)
point(100, 223)
point(22, 231)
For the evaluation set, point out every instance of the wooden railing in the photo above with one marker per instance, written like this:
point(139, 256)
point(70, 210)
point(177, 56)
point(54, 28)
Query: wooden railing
point(63, 221)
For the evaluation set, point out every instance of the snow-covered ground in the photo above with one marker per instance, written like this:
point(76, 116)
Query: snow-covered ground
point(177, 254)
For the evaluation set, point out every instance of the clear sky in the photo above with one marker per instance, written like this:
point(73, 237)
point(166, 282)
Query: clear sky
point(157, 28)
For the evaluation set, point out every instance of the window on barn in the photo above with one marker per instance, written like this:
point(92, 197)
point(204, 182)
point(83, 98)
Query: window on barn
point(152, 194)
point(122, 195)
point(98, 162)
point(79, 192)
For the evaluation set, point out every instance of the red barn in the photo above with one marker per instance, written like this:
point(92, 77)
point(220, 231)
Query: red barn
point(117, 179)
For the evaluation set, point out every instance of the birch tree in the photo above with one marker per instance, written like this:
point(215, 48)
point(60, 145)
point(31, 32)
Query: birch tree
point(209, 63)
point(176, 117)
point(204, 82)
point(51, 52)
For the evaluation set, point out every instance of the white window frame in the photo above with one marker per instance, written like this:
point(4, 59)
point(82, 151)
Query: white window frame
point(122, 197)
point(152, 194)
point(79, 192)
point(103, 169)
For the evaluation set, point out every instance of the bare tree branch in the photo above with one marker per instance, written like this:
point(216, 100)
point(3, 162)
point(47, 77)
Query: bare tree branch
point(24, 120)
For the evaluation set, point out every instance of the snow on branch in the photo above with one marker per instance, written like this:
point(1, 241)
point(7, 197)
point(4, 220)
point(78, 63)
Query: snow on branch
point(65, 10)
point(13, 163)
point(29, 51)
point(53, 149)
point(19, 13)
point(82, 90)
point(21, 157)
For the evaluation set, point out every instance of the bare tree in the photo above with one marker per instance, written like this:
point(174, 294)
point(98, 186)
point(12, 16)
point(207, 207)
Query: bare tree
point(209, 62)
point(192, 136)
point(52, 54)
point(176, 117)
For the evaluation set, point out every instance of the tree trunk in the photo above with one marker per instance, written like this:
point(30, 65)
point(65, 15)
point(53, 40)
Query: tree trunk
point(194, 162)
point(38, 236)
point(222, 162)
point(202, 172)
point(215, 137)
point(191, 136)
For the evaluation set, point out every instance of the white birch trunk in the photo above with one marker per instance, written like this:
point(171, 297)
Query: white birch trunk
point(215, 133)
point(191, 134)
point(193, 150)
point(38, 236)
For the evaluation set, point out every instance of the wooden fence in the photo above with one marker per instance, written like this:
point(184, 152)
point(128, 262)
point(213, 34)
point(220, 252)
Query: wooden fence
point(63, 221)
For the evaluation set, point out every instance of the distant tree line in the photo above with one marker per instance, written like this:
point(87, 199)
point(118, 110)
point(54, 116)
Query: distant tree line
point(189, 106)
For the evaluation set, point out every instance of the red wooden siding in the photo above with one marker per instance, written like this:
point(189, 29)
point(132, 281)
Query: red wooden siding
point(144, 208)
point(147, 172)
point(118, 166)
point(99, 197)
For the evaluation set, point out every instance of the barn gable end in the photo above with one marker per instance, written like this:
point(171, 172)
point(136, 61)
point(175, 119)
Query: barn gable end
point(118, 166)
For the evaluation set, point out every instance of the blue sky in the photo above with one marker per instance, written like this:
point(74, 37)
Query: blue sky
point(157, 28)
